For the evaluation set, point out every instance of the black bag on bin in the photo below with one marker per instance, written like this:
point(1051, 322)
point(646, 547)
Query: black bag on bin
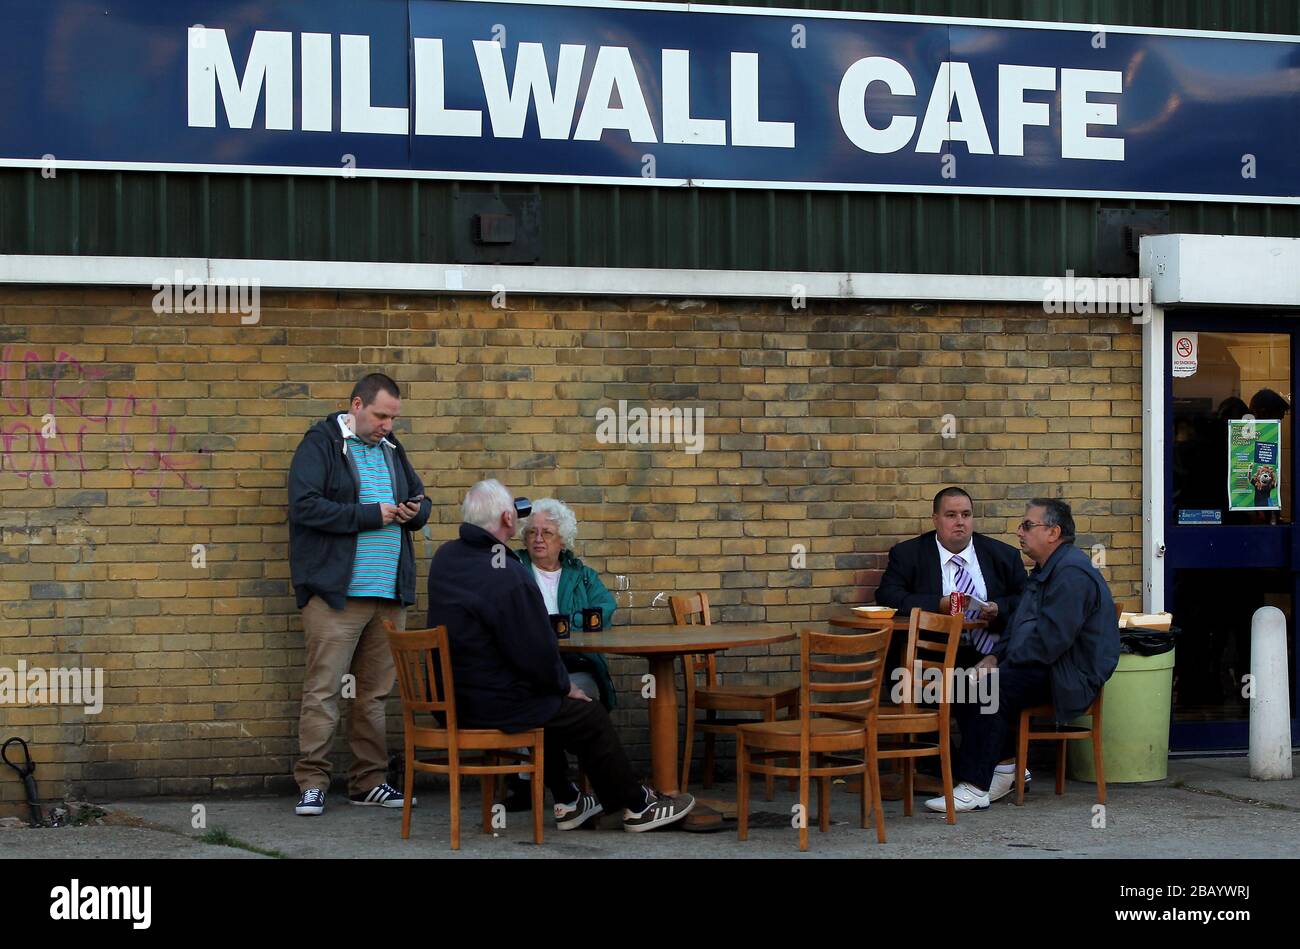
point(1141, 641)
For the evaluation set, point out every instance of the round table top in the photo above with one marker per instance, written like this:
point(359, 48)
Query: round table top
point(644, 640)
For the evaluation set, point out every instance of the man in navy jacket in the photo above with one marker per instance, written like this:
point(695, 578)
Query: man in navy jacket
point(1060, 646)
point(509, 675)
point(924, 570)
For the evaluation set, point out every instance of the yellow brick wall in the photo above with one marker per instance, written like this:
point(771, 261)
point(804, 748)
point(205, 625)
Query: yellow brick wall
point(824, 428)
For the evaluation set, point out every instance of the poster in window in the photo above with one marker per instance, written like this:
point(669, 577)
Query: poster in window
point(1254, 478)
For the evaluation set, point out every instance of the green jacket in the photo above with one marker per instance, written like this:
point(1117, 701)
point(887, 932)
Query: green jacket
point(580, 588)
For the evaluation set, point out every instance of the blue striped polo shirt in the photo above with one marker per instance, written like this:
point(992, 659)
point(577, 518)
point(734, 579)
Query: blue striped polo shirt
point(374, 572)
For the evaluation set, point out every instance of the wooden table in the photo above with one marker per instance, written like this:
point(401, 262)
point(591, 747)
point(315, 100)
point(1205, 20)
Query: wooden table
point(863, 621)
point(661, 645)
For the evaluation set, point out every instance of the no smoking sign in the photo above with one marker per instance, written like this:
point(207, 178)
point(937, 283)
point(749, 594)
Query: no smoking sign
point(1184, 355)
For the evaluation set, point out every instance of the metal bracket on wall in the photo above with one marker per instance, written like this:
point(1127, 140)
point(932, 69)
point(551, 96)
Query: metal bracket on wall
point(497, 229)
point(1119, 232)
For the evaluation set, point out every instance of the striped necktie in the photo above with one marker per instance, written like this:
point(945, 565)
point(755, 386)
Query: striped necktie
point(962, 581)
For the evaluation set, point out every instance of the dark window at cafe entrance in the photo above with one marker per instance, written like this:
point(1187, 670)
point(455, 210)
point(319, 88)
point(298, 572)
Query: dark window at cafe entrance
point(1213, 608)
point(1237, 375)
point(1224, 562)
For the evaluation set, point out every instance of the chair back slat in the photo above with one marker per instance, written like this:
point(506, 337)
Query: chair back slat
point(693, 610)
point(690, 610)
point(422, 659)
point(932, 640)
point(863, 673)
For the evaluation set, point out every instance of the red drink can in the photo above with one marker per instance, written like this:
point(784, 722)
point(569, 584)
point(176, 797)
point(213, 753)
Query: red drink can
point(957, 603)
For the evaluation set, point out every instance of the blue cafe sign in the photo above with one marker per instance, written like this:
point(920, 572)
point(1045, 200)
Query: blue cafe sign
point(650, 94)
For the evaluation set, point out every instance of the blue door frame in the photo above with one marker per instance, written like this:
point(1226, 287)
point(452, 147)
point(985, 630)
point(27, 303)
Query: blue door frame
point(1187, 547)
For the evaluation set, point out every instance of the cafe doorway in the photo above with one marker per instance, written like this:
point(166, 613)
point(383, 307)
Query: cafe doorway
point(1230, 501)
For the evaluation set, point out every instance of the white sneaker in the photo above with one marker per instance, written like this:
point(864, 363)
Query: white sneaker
point(1003, 782)
point(965, 797)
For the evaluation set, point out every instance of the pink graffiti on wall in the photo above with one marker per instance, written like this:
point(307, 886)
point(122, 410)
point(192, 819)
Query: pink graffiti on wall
point(65, 414)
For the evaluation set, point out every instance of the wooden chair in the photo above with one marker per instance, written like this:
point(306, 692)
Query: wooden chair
point(714, 696)
point(1061, 734)
point(847, 725)
point(932, 640)
point(424, 678)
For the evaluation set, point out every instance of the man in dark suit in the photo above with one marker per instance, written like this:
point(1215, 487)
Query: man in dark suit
point(923, 571)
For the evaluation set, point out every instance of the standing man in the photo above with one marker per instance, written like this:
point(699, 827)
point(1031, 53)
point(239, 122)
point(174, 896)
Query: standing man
point(354, 501)
point(509, 675)
point(923, 571)
point(1060, 646)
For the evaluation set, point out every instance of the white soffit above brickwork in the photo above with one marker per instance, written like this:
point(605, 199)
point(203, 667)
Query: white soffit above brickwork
point(1215, 270)
point(478, 279)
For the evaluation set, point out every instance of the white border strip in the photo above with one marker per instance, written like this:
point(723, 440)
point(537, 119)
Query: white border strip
point(486, 279)
point(1153, 460)
point(890, 18)
point(637, 181)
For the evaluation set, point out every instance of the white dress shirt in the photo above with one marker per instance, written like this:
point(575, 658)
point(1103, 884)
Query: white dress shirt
point(982, 639)
point(948, 569)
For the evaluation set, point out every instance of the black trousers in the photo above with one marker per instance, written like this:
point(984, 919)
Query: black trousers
point(584, 729)
point(987, 738)
point(967, 658)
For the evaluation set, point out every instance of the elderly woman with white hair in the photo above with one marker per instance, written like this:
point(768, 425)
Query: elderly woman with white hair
point(568, 586)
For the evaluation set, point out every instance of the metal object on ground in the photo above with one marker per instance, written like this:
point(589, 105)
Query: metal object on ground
point(28, 774)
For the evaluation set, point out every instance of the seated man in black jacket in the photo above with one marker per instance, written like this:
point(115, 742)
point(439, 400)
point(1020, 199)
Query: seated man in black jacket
point(509, 674)
point(1061, 646)
point(923, 571)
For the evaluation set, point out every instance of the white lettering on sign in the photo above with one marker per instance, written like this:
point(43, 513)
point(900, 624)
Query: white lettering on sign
point(679, 127)
point(432, 117)
point(746, 127)
point(853, 118)
point(1183, 360)
point(555, 101)
point(269, 66)
point(356, 113)
point(1014, 113)
point(614, 72)
point(508, 105)
point(619, 98)
point(954, 83)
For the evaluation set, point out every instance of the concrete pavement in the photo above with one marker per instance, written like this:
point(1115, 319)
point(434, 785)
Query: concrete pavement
point(1207, 808)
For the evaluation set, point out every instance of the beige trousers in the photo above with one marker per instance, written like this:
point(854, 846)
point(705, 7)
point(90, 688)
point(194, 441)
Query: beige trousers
point(342, 642)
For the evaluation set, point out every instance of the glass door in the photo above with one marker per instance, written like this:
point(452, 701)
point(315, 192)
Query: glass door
point(1230, 498)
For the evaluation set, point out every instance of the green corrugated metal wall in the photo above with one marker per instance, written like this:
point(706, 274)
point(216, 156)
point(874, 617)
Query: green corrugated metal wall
point(265, 216)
